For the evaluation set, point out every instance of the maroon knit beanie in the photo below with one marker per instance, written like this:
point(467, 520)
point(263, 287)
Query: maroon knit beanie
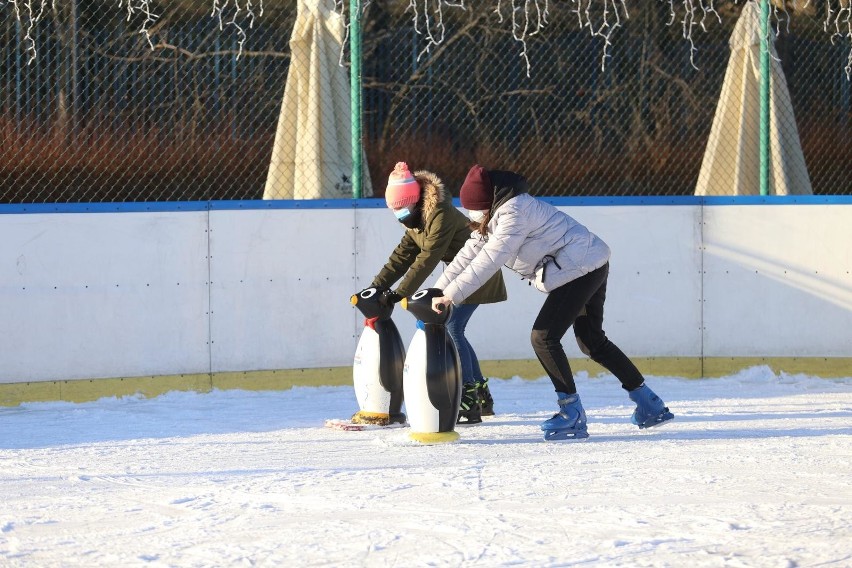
point(477, 192)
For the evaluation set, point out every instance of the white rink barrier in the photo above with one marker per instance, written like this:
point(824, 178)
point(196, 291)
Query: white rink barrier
point(131, 290)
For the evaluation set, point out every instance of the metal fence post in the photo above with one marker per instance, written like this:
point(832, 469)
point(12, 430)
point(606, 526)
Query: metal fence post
point(355, 94)
point(764, 97)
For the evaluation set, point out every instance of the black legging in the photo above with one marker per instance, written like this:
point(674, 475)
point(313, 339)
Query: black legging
point(579, 302)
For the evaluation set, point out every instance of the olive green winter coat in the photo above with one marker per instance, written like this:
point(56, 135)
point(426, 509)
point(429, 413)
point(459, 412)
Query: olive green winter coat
point(443, 232)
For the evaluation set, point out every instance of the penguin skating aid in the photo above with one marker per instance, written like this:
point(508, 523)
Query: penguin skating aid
point(432, 373)
point(377, 367)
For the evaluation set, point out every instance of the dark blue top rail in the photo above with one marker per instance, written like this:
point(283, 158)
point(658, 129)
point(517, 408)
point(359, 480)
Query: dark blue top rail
point(377, 203)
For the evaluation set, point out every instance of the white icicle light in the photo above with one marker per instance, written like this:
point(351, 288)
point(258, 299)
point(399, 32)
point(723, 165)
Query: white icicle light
point(228, 12)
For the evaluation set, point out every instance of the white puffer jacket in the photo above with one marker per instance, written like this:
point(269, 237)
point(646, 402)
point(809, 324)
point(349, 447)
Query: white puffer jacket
point(531, 237)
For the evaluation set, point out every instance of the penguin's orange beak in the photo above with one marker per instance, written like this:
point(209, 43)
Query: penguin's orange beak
point(354, 299)
point(404, 303)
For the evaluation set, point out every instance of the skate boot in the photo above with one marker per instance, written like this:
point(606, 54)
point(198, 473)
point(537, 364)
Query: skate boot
point(485, 401)
point(569, 423)
point(650, 410)
point(397, 418)
point(470, 412)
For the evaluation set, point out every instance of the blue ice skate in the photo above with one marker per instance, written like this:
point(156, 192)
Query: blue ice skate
point(569, 423)
point(650, 410)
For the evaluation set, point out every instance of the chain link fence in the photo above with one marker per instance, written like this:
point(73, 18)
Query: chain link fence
point(98, 116)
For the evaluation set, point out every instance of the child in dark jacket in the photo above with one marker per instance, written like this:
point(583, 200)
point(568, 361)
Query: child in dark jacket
point(435, 231)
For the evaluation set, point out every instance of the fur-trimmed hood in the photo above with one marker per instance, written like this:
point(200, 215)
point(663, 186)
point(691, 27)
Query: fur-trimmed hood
point(434, 192)
point(443, 231)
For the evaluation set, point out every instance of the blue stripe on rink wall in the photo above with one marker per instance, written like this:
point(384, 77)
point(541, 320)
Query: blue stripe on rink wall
point(377, 203)
point(129, 207)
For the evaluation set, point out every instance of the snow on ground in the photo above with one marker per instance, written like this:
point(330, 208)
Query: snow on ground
point(754, 471)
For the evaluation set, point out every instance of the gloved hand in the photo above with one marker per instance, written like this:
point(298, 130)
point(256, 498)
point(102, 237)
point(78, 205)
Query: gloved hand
point(389, 297)
point(440, 304)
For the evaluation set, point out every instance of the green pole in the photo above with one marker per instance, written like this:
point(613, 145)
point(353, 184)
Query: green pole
point(355, 93)
point(764, 97)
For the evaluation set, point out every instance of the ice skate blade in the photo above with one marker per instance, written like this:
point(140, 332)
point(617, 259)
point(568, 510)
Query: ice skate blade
point(429, 438)
point(664, 418)
point(556, 435)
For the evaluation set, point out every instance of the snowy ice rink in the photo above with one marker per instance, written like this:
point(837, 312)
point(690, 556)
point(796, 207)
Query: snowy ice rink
point(756, 470)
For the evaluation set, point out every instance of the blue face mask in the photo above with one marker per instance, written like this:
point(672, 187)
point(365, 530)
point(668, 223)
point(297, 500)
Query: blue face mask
point(401, 213)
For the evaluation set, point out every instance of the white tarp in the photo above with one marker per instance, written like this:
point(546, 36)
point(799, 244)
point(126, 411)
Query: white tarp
point(312, 156)
point(731, 163)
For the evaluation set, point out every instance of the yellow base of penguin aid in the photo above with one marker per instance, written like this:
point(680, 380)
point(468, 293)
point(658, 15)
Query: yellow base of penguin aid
point(364, 417)
point(434, 437)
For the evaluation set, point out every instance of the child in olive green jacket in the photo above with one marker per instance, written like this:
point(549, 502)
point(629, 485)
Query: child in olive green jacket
point(435, 231)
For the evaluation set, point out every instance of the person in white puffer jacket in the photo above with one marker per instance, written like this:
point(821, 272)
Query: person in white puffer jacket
point(561, 258)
